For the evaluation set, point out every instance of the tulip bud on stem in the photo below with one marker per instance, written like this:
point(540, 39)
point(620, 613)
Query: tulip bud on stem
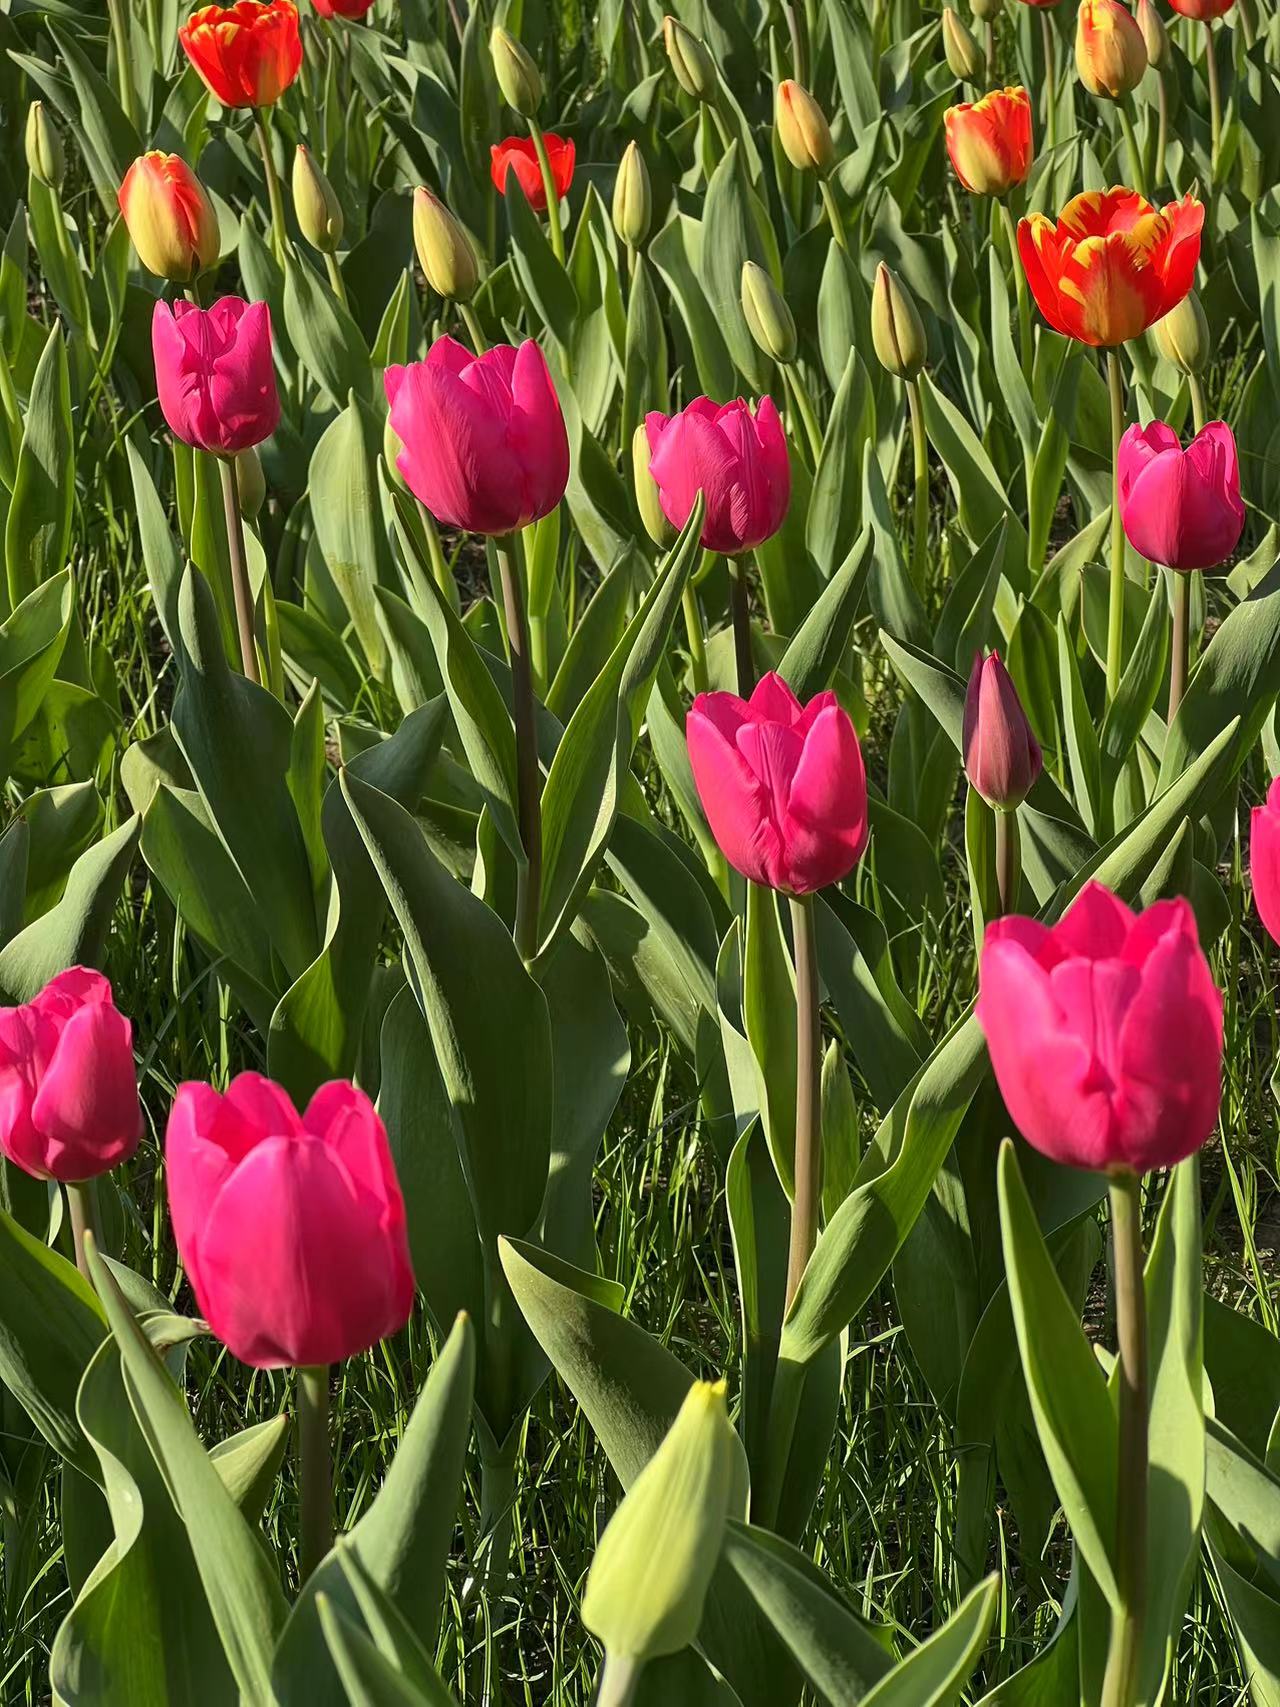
point(279, 232)
point(1115, 609)
point(240, 588)
point(316, 1526)
point(82, 1209)
point(808, 1157)
point(1124, 1653)
point(528, 802)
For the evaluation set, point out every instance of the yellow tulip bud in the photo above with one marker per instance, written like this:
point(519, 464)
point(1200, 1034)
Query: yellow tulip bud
point(318, 210)
point(1111, 55)
point(694, 67)
point(444, 250)
point(986, 11)
point(963, 55)
point(897, 331)
point(170, 217)
point(769, 320)
point(803, 131)
point(1182, 337)
point(632, 198)
point(656, 525)
point(518, 76)
point(1154, 34)
point(251, 483)
point(46, 158)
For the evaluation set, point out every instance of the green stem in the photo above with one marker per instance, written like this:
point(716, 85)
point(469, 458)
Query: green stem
point(124, 73)
point(722, 129)
point(336, 280)
point(1124, 1653)
point(805, 410)
point(920, 486)
point(1215, 96)
point(1050, 78)
point(279, 232)
point(1162, 126)
point(1020, 290)
point(799, 45)
point(478, 341)
point(1115, 609)
point(556, 230)
point(1181, 591)
point(989, 47)
point(440, 571)
point(1199, 413)
point(529, 802)
point(1008, 859)
point(697, 645)
point(619, 1680)
point(1131, 144)
point(808, 1157)
point(835, 219)
point(497, 1518)
point(240, 588)
point(740, 612)
point(82, 1207)
point(314, 1475)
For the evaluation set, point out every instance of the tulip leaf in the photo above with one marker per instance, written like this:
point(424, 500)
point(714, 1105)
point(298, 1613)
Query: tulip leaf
point(734, 231)
point(672, 252)
point(32, 641)
point(367, 1677)
point(38, 527)
point(346, 508)
point(980, 495)
point(487, 1017)
point(74, 932)
point(835, 504)
point(818, 647)
point(542, 278)
point(768, 1011)
point(328, 341)
point(936, 1674)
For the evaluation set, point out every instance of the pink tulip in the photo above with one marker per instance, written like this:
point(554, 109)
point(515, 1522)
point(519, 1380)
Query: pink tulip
point(736, 459)
point(1264, 859)
point(1180, 507)
point(1001, 755)
point(1105, 1031)
point(214, 373)
point(782, 785)
point(291, 1228)
point(68, 1090)
point(485, 446)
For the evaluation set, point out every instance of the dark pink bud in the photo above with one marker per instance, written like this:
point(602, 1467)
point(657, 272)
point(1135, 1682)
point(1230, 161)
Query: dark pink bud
point(1001, 755)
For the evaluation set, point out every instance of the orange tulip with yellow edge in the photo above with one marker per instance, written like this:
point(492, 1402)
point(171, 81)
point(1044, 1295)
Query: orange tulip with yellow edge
point(1111, 55)
point(989, 141)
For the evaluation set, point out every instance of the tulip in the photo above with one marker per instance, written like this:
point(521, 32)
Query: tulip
point(247, 54)
point(986, 11)
point(736, 458)
point(316, 207)
point(1154, 34)
point(445, 252)
point(516, 71)
point(1182, 336)
point(964, 57)
point(1111, 56)
point(69, 1105)
point(170, 217)
point(215, 374)
point(46, 158)
point(803, 132)
point(1181, 508)
point(1264, 859)
point(989, 141)
point(1105, 1032)
point(632, 198)
point(768, 318)
point(1202, 10)
point(1112, 264)
point(1001, 754)
point(343, 8)
point(517, 154)
point(897, 331)
point(782, 785)
point(485, 446)
point(694, 68)
point(291, 1227)
point(648, 498)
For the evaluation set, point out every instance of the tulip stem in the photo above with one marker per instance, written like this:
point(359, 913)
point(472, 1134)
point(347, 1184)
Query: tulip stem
point(804, 408)
point(336, 280)
point(556, 230)
point(1050, 79)
point(240, 588)
point(479, 343)
point(619, 1679)
point(740, 614)
point(1215, 96)
point(1020, 291)
point(1162, 126)
point(1124, 1653)
point(835, 219)
point(1131, 144)
point(82, 1208)
point(697, 646)
point(920, 475)
point(1115, 610)
point(316, 1526)
point(279, 233)
point(1008, 859)
point(1181, 590)
point(528, 803)
point(808, 1159)
point(124, 74)
point(1199, 413)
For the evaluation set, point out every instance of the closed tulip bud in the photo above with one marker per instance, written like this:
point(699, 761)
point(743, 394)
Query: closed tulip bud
point(986, 11)
point(1154, 34)
point(1111, 55)
point(251, 483)
point(1001, 755)
point(897, 331)
point(518, 76)
point(444, 250)
point(1182, 337)
point(648, 498)
point(318, 210)
point(649, 1578)
point(46, 158)
point(694, 67)
point(769, 319)
point(632, 198)
point(963, 53)
point(1104, 1031)
point(170, 217)
point(803, 130)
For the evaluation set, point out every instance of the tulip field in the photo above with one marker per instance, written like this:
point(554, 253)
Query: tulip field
point(640, 853)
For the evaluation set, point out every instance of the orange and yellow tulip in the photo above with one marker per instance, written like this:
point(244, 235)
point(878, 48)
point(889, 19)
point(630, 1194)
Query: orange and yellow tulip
point(989, 141)
point(1111, 264)
point(1111, 54)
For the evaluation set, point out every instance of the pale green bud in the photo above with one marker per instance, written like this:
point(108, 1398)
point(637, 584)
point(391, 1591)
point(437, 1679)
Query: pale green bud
point(986, 11)
point(318, 210)
point(518, 76)
point(251, 483)
point(897, 331)
point(803, 132)
point(656, 525)
point(694, 67)
point(445, 252)
point(768, 318)
point(632, 198)
point(46, 157)
point(963, 54)
point(1154, 34)
point(1182, 337)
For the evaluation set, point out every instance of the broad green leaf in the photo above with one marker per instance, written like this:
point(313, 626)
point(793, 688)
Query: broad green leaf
point(328, 341)
point(818, 647)
point(74, 932)
point(37, 533)
point(936, 1674)
point(347, 512)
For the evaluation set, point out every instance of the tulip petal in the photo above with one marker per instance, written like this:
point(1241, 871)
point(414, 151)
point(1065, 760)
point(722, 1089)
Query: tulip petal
point(825, 822)
point(86, 1109)
point(1096, 925)
point(734, 800)
point(1264, 860)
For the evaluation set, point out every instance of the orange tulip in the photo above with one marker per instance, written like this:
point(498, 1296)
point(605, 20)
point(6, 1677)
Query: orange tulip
point(1111, 55)
point(989, 141)
point(248, 53)
point(170, 217)
point(1112, 264)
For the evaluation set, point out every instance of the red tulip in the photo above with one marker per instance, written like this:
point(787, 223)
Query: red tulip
point(1202, 10)
point(782, 785)
point(736, 459)
point(68, 1090)
point(485, 446)
point(1105, 1031)
point(1001, 754)
point(1264, 859)
point(214, 373)
point(517, 154)
point(1181, 508)
point(247, 54)
point(343, 8)
point(989, 141)
point(291, 1227)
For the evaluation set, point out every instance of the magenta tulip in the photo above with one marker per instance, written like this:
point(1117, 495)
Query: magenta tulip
point(1105, 1032)
point(737, 459)
point(69, 1105)
point(1264, 859)
point(1001, 755)
point(291, 1228)
point(485, 446)
point(1181, 508)
point(215, 375)
point(782, 785)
